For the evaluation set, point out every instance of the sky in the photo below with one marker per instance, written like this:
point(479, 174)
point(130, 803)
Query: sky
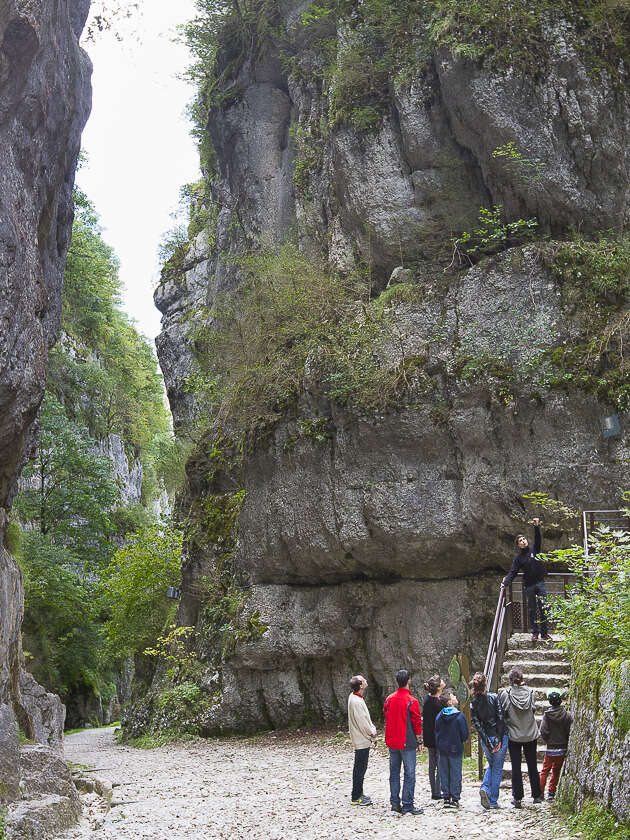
point(138, 146)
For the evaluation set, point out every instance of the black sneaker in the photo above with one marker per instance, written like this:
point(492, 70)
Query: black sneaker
point(455, 803)
point(538, 800)
point(414, 811)
point(517, 803)
point(397, 808)
point(447, 801)
point(485, 799)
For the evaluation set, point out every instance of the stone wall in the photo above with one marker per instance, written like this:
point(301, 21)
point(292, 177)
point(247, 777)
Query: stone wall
point(598, 760)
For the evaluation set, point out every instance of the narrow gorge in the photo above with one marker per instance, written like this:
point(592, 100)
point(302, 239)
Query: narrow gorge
point(394, 328)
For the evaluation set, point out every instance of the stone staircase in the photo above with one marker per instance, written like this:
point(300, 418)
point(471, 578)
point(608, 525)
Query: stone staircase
point(544, 666)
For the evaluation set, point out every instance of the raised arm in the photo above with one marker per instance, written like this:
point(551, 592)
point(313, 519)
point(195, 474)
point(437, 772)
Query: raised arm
point(537, 536)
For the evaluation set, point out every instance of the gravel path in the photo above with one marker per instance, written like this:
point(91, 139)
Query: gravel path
point(278, 786)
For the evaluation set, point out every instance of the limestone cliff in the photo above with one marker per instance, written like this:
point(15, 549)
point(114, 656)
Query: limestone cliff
point(44, 103)
point(368, 541)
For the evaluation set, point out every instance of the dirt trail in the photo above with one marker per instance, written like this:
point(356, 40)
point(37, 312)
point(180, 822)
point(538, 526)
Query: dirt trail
point(285, 786)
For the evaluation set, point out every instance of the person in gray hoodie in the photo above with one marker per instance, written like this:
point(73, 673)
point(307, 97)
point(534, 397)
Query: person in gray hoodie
point(518, 703)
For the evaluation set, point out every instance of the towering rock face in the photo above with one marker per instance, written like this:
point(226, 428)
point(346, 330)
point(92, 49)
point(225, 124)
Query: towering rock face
point(44, 103)
point(378, 542)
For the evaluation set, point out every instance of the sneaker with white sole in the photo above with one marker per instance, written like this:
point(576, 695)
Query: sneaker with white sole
point(362, 800)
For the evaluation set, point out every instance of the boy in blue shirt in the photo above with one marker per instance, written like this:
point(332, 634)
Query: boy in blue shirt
point(451, 732)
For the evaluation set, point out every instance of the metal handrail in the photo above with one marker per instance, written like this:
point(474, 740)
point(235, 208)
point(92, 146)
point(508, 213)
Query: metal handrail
point(497, 640)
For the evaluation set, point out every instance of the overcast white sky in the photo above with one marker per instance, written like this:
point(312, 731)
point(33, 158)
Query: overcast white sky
point(139, 148)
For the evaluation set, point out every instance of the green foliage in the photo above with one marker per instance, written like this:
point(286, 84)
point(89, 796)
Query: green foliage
point(595, 617)
point(135, 584)
point(105, 373)
point(3, 827)
point(492, 235)
point(173, 249)
point(70, 492)
point(61, 613)
point(517, 35)
point(592, 821)
point(291, 318)
point(167, 460)
point(554, 511)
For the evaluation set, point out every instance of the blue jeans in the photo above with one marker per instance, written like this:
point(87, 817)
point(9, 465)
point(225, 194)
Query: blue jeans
point(536, 595)
point(408, 759)
point(494, 771)
point(451, 775)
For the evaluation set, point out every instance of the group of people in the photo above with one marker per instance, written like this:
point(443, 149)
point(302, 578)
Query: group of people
point(504, 722)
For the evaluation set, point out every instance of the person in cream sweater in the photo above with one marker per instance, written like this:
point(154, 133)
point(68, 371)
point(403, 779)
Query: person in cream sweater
point(362, 735)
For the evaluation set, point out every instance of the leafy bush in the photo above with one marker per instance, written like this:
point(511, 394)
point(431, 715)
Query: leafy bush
point(595, 617)
point(135, 585)
point(492, 235)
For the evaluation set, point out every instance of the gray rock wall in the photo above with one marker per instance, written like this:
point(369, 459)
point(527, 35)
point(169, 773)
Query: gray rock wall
point(598, 760)
point(44, 103)
point(402, 510)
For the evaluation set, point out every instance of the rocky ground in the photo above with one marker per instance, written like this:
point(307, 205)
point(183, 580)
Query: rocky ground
point(278, 786)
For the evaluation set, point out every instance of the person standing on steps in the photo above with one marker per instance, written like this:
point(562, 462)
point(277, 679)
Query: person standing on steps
point(431, 708)
point(554, 731)
point(403, 736)
point(534, 580)
point(362, 735)
point(451, 733)
point(487, 716)
point(518, 703)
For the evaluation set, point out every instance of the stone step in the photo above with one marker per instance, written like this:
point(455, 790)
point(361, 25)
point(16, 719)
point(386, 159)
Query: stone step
point(523, 641)
point(559, 681)
point(543, 666)
point(539, 654)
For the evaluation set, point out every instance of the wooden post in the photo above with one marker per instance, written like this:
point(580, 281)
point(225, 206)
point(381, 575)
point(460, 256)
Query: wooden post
point(464, 664)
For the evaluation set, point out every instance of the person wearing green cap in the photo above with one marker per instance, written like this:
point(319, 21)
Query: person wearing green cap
point(554, 731)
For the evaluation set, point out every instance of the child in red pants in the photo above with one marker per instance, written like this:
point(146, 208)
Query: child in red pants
point(554, 731)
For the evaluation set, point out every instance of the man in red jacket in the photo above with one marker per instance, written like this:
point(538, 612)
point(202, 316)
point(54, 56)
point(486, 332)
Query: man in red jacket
point(403, 736)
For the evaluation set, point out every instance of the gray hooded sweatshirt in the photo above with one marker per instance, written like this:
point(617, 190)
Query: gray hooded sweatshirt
point(518, 703)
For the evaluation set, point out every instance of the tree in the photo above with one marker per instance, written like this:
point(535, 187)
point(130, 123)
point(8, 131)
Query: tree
point(61, 634)
point(70, 492)
point(135, 584)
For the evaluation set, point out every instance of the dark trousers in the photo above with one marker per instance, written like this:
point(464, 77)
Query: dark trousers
point(434, 779)
point(554, 764)
point(451, 775)
point(529, 748)
point(536, 595)
point(358, 771)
